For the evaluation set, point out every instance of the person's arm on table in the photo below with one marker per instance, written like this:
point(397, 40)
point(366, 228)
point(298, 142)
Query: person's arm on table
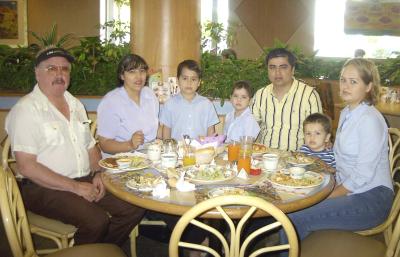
point(112, 146)
point(43, 176)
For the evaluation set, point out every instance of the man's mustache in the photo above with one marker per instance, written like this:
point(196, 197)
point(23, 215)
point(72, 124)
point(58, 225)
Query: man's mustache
point(58, 81)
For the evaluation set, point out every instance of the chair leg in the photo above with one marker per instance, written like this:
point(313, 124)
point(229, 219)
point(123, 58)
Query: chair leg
point(133, 235)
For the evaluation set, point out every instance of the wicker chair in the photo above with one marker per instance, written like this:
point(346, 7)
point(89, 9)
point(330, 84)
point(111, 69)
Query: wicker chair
point(17, 227)
point(394, 158)
point(234, 248)
point(62, 234)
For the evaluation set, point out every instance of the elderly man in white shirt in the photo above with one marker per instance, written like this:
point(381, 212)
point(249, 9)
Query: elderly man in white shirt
point(57, 156)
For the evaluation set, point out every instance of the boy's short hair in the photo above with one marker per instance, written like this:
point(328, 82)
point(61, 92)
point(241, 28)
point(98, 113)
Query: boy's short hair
point(191, 65)
point(243, 84)
point(319, 118)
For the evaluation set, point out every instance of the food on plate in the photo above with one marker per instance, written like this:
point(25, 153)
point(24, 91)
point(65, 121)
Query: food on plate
point(144, 182)
point(300, 159)
point(123, 163)
point(135, 162)
point(204, 155)
point(259, 148)
point(208, 173)
point(172, 182)
point(309, 179)
point(227, 191)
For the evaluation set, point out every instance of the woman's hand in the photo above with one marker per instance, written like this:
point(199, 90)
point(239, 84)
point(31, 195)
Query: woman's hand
point(137, 139)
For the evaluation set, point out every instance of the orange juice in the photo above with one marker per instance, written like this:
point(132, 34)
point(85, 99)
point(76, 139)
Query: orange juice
point(189, 159)
point(244, 162)
point(233, 152)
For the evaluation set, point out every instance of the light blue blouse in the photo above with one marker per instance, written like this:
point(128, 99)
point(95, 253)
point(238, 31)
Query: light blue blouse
point(361, 149)
point(188, 118)
point(244, 125)
point(118, 116)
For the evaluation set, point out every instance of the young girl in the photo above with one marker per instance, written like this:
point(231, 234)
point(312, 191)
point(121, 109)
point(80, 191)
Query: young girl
point(240, 121)
point(317, 133)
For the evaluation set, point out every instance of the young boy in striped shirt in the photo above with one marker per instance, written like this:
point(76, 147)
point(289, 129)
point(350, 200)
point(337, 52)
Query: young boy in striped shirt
point(317, 133)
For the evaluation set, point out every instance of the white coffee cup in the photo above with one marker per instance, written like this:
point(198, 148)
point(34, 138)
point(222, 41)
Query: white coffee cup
point(154, 152)
point(297, 172)
point(169, 160)
point(270, 161)
point(123, 163)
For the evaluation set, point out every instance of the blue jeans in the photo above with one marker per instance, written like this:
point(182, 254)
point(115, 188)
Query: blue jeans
point(353, 212)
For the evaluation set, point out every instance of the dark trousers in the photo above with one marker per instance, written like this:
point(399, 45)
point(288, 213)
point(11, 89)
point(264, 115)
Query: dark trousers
point(109, 220)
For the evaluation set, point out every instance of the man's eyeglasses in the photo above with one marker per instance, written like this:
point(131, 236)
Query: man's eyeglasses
point(53, 69)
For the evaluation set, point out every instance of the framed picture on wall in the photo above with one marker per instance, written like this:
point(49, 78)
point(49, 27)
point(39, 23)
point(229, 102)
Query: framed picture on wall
point(13, 23)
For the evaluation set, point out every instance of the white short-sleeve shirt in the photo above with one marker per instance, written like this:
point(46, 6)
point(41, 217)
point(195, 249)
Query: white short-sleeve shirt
point(243, 125)
point(36, 127)
point(188, 118)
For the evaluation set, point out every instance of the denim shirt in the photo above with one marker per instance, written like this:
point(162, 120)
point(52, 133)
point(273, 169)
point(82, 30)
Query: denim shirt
point(361, 149)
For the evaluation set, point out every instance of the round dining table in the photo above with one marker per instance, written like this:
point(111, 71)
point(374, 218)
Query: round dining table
point(177, 202)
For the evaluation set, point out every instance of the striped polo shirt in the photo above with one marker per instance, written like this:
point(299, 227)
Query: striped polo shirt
point(281, 122)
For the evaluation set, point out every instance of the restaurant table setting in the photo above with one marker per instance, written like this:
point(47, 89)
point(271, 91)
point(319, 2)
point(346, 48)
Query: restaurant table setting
point(160, 173)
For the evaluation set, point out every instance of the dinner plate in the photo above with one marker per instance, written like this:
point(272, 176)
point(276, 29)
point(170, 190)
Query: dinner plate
point(226, 191)
point(138, 162)
point(300, 161)
point(143, 183)
point(259, 149)
point(311, 179)
point(207, 174)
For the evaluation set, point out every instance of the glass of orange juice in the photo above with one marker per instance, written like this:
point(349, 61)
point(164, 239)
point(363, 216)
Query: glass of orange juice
point(189, 157)
point(233, 151)
point(246, 149)
point(244, 161)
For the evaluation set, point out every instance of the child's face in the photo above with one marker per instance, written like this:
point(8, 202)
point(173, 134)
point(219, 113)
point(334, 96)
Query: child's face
point(240, 99)
point(315, 136)
point(188, 82)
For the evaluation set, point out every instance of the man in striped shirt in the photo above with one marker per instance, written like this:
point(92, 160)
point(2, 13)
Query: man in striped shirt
point(282, 106)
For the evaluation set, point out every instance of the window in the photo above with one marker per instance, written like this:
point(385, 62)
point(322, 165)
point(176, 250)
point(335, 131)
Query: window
point(331, 41)
point(215, 11)
point(116, 15)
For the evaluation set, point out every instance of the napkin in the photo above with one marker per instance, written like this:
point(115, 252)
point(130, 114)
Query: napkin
point(243, 174)
point(185, 186)
point(198, 145)
point(160, 190)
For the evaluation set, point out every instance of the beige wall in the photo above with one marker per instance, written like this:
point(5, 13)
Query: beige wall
point(80, 17)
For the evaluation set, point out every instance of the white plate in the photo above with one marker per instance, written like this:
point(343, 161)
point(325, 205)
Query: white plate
point(144, 187)
point(318, 180)
point(163, 170)
point(191, 173)
point(293, 161)
point(226, 191)
point(105, 163)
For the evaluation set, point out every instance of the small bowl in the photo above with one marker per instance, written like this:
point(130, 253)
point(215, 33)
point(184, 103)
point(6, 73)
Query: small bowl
point(124, 163)
point(297, 172)
point(169, 160)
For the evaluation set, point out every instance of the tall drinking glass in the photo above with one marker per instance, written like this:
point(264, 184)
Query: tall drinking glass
point(233, 151)
point(246, 149)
